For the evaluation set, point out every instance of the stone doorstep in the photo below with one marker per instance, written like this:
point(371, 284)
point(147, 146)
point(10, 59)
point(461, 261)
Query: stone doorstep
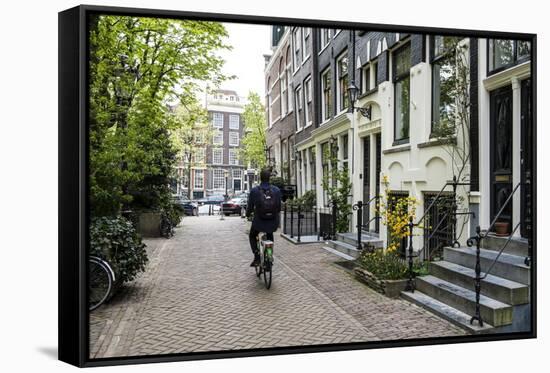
point(351, 238)
point(494, 312)
point(303, 239)
point(344, 248)
point(446, 312)
point(498, 288)
point(516, 246)
point(510, 267)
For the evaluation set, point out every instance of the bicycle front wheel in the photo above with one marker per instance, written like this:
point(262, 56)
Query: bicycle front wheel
point(100, 282)
point(267, 273)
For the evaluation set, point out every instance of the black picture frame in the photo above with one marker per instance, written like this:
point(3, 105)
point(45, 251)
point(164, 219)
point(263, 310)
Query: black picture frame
point(73, 184)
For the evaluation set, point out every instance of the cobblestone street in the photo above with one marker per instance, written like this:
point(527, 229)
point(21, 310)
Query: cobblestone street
point(198, 293)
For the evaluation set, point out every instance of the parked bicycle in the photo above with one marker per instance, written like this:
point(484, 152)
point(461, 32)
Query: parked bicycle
point(100, 282)
point(266, 260)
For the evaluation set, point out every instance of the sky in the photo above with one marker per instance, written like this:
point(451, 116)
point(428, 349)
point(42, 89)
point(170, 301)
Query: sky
point(245, 60)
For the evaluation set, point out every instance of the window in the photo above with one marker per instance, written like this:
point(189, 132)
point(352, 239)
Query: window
point(217, 138)
point(506, 53)
point(289, 79)
point(199, 179)
point(402, 81)
point(326, 95)
point(217, 156)
point(309, 105)
point(283, 86)
point(312, 167)
point(237, 174)
point(199, 155)
point(365, 79)
point(345, 149)
point(375, 73)
point(218, 178)
point(233, 157)
point(296, 42)
point(325, 37)
point(342, 65)
point(234, 122)
point(234, 138)
point(269, 104)
point(306, 49)
point(217, 120)
point(443, 81)
point(299, 108)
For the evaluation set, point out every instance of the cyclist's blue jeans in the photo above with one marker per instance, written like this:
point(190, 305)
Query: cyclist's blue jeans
point(253, 236)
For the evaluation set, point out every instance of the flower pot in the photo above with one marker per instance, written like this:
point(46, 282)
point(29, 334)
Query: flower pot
point(502, 228)
point(390, 288)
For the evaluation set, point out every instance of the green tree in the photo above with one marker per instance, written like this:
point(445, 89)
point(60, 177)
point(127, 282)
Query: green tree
point(191, 137)
point(138, 66)
point(254, 140)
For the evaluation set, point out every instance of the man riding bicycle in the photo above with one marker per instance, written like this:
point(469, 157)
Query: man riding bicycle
point(265, 202)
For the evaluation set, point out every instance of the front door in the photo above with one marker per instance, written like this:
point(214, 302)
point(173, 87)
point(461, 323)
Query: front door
point(501, 153)
point(366, 182)
point(526, 158)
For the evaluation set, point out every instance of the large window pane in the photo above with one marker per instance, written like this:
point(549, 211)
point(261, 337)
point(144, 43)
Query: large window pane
point(444, 82)
point(402, 104)
point(402, 61)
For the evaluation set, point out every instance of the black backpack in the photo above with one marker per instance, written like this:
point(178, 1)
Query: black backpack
point(267, 207)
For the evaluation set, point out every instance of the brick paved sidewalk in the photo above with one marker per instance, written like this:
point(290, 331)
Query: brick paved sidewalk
point(199, 294)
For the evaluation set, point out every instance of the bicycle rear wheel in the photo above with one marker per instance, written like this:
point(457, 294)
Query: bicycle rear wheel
point(100, 283)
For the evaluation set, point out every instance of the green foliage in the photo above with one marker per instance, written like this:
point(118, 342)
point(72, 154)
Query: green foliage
point(388, 265)
point(254, 140)
point(138, 66)
point(306, 201)
point(278, 181)
point(337, 185)
point(116, 241)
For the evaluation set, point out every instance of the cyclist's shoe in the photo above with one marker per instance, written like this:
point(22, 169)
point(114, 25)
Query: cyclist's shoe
point(256, 261)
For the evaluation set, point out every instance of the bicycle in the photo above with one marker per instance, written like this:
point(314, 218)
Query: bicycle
point(100, 282)
point(266, 260)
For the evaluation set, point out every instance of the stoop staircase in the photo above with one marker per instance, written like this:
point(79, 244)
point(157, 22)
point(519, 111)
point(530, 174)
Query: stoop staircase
point(345, 244)
point(449, 291)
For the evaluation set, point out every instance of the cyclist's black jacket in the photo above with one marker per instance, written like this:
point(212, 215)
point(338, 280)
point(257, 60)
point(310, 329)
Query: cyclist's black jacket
point(268, 226)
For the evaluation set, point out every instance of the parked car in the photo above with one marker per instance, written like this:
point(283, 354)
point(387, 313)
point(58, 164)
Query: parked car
point(214, 200)
point(234, 206)
point(188, 207)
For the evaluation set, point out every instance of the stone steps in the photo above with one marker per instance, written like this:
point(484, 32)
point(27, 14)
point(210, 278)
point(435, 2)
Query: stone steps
point(344, 248)
point(498, 288)
point(493, 311)
point(351, 238)
point(510, 267)
point(516, 246)
point(446, 312)
point(338, 253)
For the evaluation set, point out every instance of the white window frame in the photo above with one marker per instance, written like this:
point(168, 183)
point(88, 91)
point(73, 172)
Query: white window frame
point(216, 178)
point(308, 99)
point(234, 121)
point(306, 36)
point(283, 86)
point(196, 178)
point(232, 137)
point(238, 172)
point(200, 155)
point(299, 108)
point(325, 38)
point(233, 157)
point(217, 138)
point(340, 106)
point(324, 117)
point(296, 46)
point(217, 153)
point(217, 120)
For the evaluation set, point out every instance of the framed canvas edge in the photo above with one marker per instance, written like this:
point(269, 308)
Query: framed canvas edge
point(73, 193)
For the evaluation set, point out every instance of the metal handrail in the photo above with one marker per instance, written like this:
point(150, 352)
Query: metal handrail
point(359, 208)
point(478, 238)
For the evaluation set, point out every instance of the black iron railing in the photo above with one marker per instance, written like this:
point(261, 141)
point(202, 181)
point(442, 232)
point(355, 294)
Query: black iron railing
point(411, 255)
point(299, 221)
point(359, 206)
point(477, 240)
